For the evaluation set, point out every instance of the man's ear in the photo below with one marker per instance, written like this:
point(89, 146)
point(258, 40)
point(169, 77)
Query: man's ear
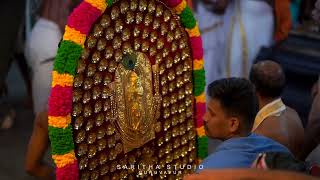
point(234, 124)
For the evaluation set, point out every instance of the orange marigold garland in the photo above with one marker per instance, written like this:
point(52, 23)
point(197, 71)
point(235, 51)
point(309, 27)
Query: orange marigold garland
point(60, 100)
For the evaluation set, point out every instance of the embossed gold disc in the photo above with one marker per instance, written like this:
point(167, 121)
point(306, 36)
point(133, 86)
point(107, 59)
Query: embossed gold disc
point(132, 100)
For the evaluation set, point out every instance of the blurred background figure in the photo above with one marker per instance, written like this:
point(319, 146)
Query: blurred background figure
point(316, 12)
point(41, 49)
point(210, 16)
point(11, 14)
point(32, 14)
point(211, 19)
point(274, 119)
point(233, 32)
point(42, 46)
point(312, 131)
point(299, 56)
point(250, 26)
point(312, 137)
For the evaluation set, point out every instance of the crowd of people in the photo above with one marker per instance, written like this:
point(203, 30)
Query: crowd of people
point(255, 126)
point(245, 112)
point(248, 115)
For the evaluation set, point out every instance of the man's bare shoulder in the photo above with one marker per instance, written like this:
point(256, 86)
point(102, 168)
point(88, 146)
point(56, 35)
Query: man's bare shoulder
point(292, 111)
point(289, 114)
point(271, 121)
point(270, 127)
point(292, 115)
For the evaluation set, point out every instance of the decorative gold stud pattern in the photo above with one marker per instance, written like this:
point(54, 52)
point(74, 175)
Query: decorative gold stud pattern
point(133, 26)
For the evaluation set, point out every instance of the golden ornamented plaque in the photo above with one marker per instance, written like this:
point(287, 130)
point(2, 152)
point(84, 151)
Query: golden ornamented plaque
point(132, 95)
point(134, 104)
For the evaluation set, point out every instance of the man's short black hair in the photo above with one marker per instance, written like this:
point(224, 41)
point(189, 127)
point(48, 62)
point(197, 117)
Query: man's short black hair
point(237, 97)
point(268, 78)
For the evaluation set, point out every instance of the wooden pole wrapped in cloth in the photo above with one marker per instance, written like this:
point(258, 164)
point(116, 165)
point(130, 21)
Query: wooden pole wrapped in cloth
point(127, 95)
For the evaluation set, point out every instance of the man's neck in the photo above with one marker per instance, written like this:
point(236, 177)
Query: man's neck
point(263, 101)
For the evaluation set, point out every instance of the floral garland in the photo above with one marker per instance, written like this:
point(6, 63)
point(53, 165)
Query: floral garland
point(60, 100)
point(190, 24)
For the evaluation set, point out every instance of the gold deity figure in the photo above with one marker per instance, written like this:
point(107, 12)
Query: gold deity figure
point(135, 105)
point(134, 98)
